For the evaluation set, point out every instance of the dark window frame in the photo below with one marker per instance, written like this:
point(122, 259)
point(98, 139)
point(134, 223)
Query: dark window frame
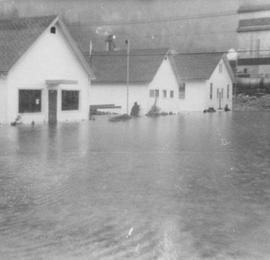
point(164, 93)
point(70, 100)
point(220, 68)
point(228, 91)
point(151, 93)
point(182, 91)
point(30, 101)
point(53, 30)
point(171, 94)
point(211, 91)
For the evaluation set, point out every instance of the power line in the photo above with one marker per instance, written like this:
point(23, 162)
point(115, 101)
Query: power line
point(167, 20)
point(161, 35)
point(157, 53)
point(154, 35)
point(197, 33)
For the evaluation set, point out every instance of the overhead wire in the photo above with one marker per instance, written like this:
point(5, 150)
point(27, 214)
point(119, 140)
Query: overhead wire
point(165, 20)
point(156, 52)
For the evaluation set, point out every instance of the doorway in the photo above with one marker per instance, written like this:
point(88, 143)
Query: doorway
point(52, 113)
point(220, 97)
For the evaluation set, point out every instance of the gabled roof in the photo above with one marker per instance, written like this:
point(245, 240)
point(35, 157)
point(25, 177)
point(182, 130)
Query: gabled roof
point(196, 66)
point(18, 35)
point(111, 66)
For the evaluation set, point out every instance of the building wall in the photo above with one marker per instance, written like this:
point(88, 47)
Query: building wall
point(117, 94)
point(3, 98)
point(197, 94)
point(220, 81)
point(49, 58)
point(166, 79)
point(254, 44)
point(254, 15)
point(254, 40)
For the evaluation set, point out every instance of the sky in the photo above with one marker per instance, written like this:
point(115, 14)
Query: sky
point(184, 25)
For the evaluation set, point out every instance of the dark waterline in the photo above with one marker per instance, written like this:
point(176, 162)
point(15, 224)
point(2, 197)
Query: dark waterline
point(192, 186)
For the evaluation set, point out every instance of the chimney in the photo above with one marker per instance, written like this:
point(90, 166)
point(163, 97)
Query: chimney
point(110, 44)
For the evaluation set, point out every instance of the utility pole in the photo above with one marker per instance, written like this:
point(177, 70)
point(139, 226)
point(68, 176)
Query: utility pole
point(235, 87)
point(127, 79)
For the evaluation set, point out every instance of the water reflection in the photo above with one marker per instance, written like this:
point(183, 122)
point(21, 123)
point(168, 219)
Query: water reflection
point(191, 186)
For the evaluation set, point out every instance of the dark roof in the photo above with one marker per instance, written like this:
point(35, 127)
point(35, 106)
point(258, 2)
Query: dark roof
point(253, 8)
point(258, 24)
point(111, 66)
point(195, 66)
point(17, 35)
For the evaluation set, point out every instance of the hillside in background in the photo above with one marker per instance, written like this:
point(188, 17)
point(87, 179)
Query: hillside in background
point(185, 25)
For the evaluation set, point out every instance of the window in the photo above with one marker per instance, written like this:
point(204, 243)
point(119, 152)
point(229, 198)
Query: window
point(29, 101)
point(171, 93)
point(70, 100)
point(211, 90)
point(228, 91)
point(53, 30)
point(164, 93)
point(182, 91)
point(220, 68)
point(152, 93)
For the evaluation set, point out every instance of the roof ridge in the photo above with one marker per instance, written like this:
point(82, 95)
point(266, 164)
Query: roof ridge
point(27, 18)
point(136, 49)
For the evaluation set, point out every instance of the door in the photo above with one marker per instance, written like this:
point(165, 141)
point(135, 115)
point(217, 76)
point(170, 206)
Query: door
point(220, 97)
point(52, 107)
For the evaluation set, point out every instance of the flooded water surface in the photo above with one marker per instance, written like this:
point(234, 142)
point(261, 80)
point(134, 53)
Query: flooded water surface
point(190, 186)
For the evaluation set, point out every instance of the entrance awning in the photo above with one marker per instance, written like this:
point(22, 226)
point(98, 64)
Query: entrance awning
point(56, 82)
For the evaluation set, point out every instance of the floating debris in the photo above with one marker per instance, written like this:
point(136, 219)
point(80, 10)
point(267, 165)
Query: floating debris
point(209, 110)
point(120, 118)
point(130, 232)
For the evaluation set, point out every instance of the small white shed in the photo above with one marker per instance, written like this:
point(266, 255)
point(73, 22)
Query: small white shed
point(44, 76)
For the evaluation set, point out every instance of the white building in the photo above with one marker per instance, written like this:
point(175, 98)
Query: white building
point(203, 80)
point(253, 35)
point(110, 85)
point(44, 76)
point(175, 83)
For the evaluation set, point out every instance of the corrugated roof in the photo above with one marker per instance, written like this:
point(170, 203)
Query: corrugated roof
point(17, 35)
point(258, 24)
point(255, 22)
point(253, 8)
point(195, 66)
point(111, 67)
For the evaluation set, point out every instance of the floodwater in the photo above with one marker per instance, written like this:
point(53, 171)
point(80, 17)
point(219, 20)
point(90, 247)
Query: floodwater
point(191, 186)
